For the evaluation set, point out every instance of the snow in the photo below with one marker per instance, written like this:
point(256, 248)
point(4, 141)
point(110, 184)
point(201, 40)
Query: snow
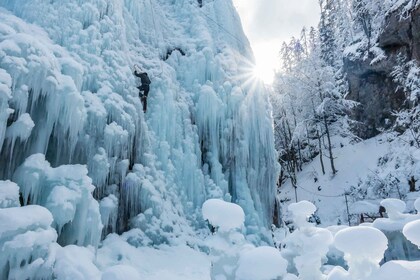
point(262, 263)
point(354, 241)
point(73, 262)
point(394, 207)
point(120, 272)
point(164, 262)
point(26, 242)
point(89, 163)
point(396, 218)
point(398, 270)
point(328, 192)
point(412, 232)
point(301, 212)
point(306, 248)
point(417, 205)
point(365, 207)
point(224, 216)
point(363, 249)
point(13, 220)
point(9, 194)
point(21, 128)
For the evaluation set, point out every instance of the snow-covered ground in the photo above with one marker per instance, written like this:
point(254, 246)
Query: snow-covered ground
point(359, 166)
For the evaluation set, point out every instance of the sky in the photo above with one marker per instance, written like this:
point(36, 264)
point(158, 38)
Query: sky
point(268, 23)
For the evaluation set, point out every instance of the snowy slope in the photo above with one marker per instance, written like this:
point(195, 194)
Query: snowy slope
point(368, 172)
point(71, 122)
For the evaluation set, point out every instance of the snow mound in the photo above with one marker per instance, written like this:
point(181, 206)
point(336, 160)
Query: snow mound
point(19, 219)
point(120, 272)
point(363, 248)
point(26, 239)
point(354, 242)
point(412, 232)
point(396, 218)
point(76, 263)
point(403, 270)
point(394, 207)
point(301, 211)
point(225, 216)
point(262, 263)
point(9, 194)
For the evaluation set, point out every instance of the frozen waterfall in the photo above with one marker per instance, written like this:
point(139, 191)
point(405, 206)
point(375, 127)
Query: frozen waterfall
point(74, 138)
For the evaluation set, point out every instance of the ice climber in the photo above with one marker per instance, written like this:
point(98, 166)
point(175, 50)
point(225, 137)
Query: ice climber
point(145, 86)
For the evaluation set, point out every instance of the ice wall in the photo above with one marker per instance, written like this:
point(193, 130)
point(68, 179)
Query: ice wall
point(67, 94)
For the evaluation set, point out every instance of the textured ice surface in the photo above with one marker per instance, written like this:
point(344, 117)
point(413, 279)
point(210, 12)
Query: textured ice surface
point(67, 192)
point(67, 67)
point(9, 194)
point(26, 243)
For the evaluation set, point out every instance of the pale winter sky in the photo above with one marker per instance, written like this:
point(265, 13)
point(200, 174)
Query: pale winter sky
point(268, 23)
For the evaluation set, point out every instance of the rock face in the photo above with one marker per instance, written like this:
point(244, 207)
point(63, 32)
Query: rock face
point(369, 76)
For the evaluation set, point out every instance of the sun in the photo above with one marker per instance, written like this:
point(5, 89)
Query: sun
point(266, 61)
point(262, 73)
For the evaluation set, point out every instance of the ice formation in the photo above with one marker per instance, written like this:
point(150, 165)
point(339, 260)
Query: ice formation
point(69, 94)
point(75, 140)
point(27, 243)
point(67, 192)
point(9, 194)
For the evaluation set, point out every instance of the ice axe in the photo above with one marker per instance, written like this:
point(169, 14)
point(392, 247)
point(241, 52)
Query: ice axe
point(137, 68)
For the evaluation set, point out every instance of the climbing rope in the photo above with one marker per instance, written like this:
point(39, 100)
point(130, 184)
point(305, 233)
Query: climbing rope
point(222, 28)
point(321, 195)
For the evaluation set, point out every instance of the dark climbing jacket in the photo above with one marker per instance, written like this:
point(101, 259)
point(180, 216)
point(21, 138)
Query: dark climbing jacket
point(143, 77)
